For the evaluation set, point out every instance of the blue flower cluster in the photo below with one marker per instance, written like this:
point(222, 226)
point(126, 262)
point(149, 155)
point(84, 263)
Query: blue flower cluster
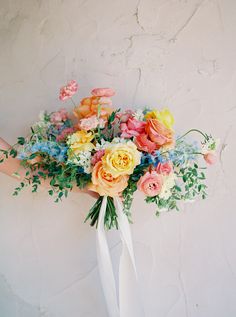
point(152, 159)
point(184, 152)
point(51, 148)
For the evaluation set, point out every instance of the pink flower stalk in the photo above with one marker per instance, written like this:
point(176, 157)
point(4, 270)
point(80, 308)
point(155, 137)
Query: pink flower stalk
point(150, 183)
point(97, 157)
point(64, 134)
point(91, 123)
point(69, 90)
point(103, 92)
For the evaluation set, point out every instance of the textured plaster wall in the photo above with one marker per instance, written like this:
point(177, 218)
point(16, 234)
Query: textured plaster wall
point(179, 54)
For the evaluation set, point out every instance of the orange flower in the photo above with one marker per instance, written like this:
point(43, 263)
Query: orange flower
point(89, 107)
point(105, 184)
point(159, 134)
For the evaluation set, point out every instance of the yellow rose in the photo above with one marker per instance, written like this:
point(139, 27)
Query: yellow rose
point(164, 116)
point(121, 158)
point(105, 184)
point(80, 141)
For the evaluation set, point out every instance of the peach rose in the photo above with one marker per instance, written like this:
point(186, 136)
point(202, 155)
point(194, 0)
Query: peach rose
point(144, 144)
point(103, 92)
point(105, 184)
point(150, 183)
point(164, 168)
point(159, 134)
point(89, 107)
point(132, 127)
point(210, 158)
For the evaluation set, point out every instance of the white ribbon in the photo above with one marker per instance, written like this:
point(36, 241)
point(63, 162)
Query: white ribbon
point(129, 302)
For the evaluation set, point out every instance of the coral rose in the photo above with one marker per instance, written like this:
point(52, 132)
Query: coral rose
point(158, 133)
point(121, 158)
point(105, 184)
point(150, 183)
point(144, 144)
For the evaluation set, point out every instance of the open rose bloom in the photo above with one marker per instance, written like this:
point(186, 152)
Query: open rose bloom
point(114, 152)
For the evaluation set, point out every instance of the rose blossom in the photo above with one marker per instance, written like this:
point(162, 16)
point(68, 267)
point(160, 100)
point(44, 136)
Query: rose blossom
point(210, 158)
point(158, 133)
point(150, 183)
point(144, 144)
point(103, 92)
point(64, 134)
point(164, 168)
point(69, 90)
point(132, 127)
point(125, 116)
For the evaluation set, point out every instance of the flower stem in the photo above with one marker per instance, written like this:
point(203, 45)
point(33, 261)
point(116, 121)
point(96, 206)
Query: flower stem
point(192, 130)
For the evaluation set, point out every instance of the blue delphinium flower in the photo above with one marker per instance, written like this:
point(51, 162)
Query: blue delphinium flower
point(51, 148)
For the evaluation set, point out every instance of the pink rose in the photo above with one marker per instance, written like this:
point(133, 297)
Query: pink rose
point(144, 144)
point(164, 168)
point(132, 127)
point(64, 134)
point(59, 116)
point(125, 116)
point(69, 90)
point(103, 92)
point(97, 157)
point(159, 133)
point(91, 123)
point(210, 158)
point(150, 183)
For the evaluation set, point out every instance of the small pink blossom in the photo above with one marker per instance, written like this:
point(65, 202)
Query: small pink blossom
point(132, 127)
point(103, 92)
point(210, 158)
point(150, 183)
point(97, 157)
point(164, 168)
point(59, 116)
point(64, 134)
point(125, 116)
point(91, 123)
point(69, 90)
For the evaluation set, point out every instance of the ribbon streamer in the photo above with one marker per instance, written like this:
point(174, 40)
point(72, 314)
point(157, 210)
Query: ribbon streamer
point(128, 304)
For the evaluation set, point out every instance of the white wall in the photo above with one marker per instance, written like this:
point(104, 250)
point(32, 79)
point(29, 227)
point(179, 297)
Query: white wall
point(179, 54)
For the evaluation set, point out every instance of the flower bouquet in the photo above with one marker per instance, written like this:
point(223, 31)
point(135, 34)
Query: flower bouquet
point(113, 152)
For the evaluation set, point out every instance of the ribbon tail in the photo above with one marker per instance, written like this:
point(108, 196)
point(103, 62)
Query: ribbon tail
point(129, 299)
point(105, 265)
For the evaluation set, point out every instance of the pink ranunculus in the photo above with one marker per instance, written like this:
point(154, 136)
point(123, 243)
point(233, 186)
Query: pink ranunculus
point(69, 90)
point(64, 134)
point(210, 158)
point(144, 144)
point(150, 183)
point(132, 127)
point(91, 123)
point(97, 157)
point(103, 92)
point(59, 116)
point(164, 168)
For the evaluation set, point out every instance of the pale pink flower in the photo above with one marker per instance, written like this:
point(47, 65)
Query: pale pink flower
point(103, 92)
point(59, 116)
point(132, 127)
point(164, 168)
point(125, 116)
point(210, 158)
point(69, 90)
point(150, 183)
point(105, 101)
point(91, 123)
point(97, 157)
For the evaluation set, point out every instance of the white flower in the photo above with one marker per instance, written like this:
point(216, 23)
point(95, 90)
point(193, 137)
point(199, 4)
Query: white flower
point(139, 114)
point(168, 184)
point(83, 159)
